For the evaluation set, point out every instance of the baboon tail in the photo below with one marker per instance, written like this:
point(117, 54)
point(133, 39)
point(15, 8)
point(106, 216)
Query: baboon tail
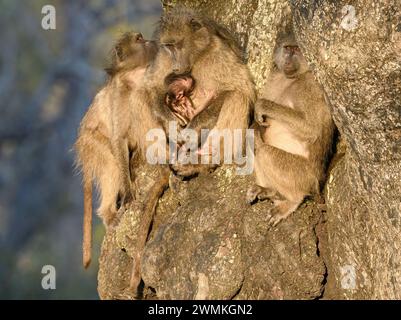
point(87, 223)
point(149, 208)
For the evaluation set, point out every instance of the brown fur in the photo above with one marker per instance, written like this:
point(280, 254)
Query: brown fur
point(207, 51)
point(94, 149)
point(294, 134)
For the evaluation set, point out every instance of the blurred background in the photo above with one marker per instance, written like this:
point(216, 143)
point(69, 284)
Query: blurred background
point(47, 80)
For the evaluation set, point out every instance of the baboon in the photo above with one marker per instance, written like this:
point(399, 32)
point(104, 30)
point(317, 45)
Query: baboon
point(94, 154)
point(208, 52)
point(294, 131)
point(178, 97)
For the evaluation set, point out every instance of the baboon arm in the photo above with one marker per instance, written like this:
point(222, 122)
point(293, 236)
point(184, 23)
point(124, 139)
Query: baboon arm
point(234, 114)
point(203, 100)
point(296, 120)
point(234, 111)
point(207, 119)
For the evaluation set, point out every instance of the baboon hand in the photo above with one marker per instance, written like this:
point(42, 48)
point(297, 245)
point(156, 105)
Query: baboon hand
point(252, 194)
point(262, 112)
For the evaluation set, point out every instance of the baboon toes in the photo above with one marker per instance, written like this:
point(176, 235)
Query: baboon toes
point(252, 194)
point(276, 216)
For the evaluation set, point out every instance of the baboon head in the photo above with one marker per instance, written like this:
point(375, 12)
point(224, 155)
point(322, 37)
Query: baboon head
point(289, 58)
point(186, 35)
point(131, 51)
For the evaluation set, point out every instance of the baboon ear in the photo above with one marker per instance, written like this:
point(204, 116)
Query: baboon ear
point(195, 24)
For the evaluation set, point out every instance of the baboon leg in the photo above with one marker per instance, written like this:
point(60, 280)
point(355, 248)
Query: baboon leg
point(109, 183)
point(282, 209)
point(289, 175)
point(93, 153)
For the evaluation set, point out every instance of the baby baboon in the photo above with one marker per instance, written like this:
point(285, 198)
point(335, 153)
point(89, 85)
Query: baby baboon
point(208, 52)
point(178, 97)
point(294, 132)
point(130, 57)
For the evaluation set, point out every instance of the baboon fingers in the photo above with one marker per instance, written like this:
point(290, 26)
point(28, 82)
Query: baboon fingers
point(252, 193)
point(281, 210)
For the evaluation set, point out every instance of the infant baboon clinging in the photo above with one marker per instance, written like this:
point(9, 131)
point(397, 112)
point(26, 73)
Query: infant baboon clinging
point(130, 57)
point(294, 132)
point(208, 52)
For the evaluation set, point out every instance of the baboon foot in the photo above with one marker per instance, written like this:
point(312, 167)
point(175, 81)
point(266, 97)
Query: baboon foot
point(256, 192)
point(252, 193)
point(173, 182)
point(281, 210)
point(189, 170)
point(109, 216)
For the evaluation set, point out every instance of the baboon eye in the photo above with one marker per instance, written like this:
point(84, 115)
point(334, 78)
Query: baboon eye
point(170, 47)
point(139, 37)
point(195, 25)
point(119, 52)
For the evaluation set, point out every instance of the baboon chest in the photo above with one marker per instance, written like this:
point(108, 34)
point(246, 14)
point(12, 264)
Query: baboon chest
point(278, 134)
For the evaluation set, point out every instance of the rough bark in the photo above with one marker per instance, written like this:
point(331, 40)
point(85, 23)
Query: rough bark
point(359, 66)
point(206, 242)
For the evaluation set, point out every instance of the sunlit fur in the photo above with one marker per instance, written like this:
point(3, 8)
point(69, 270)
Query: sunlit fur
point(289, 58)
point(294, 134)
point(210, 53)
point(94, 147)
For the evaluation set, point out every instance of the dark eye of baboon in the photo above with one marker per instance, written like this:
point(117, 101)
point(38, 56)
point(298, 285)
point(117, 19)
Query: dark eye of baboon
point(119, 52)
point(169, 46)
point(195, 25)
point(139, 37)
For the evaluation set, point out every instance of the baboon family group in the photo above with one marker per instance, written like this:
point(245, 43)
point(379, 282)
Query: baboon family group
point(194, 73)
